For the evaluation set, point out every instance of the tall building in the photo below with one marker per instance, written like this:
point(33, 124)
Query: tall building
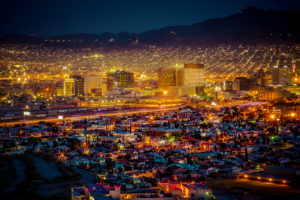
point(281, 75)
point(120, 79)
point(295, 77)
point(190, 78)
point(297, 68)
point(191, 75)
point(59, 88)
point(69, 87)
point(125, 79)
point(241, 84)
point(79, 85)
point(167, 81)
point(166, 77)
point(227, 85)
point(262, 78)
point(94, 85)
point(110, 81)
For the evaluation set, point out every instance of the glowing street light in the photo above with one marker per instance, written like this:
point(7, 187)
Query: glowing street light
point(293, 114)
point(213, 103)
point(217, 89)
point(60, 117)
point(26, 113)
point(272, 116)
point(165, 92)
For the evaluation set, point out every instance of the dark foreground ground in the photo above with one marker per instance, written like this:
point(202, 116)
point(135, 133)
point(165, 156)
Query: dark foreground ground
point(244, 189)
point(40, 177)
point(36, 177)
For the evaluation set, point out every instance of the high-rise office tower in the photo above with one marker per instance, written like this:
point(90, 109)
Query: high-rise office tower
point(297, 69)
point(120, 79)
point(59, 88)
point(167, 81)
point(191, 75)
point(242, 84)
point(227, 85)
point(281, 75)
point(79, 85)
point(261, 79)
point(166, 77)
point(110, 81)
point(189, 78)
point(94, 84)
point(125, 79)
point(69, 87)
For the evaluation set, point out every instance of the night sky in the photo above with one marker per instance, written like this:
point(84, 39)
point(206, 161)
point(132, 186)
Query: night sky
point(56, 17)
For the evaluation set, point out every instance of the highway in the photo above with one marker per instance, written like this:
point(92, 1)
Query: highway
point(91, 116)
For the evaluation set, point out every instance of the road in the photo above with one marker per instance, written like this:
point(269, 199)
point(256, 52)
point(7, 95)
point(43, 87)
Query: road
point(107, 113)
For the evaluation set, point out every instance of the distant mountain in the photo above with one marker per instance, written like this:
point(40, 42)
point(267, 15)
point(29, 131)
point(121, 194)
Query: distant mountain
point(19, 38)
point(251, 26)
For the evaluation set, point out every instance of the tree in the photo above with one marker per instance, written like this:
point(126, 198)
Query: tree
point(246, 153)
point(189, 160)
point(110, 164)
point(74, 144)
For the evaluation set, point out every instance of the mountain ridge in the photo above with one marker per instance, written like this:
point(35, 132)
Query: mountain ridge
point(252, 25)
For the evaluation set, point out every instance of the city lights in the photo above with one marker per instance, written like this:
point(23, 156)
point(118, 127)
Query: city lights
point(26, 113)
point(213, 103)
point(200, 110)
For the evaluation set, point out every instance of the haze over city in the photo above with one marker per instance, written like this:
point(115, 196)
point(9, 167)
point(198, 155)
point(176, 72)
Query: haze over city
point(144, 100)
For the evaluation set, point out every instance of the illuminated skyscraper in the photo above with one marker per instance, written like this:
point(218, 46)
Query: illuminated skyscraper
point(190, 78)
point(191, 75)
point(297, 68)
point(79, 85)
point(69, 87)
point(281, 75)
point(241, 84)
point(94, 84)
point(121, 79)
point(166, 77)
point(59, 88)
point(295, 77)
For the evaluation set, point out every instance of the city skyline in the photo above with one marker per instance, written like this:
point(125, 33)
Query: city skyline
point(191, 111)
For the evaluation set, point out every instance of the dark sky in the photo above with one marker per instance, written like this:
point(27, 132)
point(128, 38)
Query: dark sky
point(55, 17)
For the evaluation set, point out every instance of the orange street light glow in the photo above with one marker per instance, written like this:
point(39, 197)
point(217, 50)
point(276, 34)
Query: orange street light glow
point(272, 116)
